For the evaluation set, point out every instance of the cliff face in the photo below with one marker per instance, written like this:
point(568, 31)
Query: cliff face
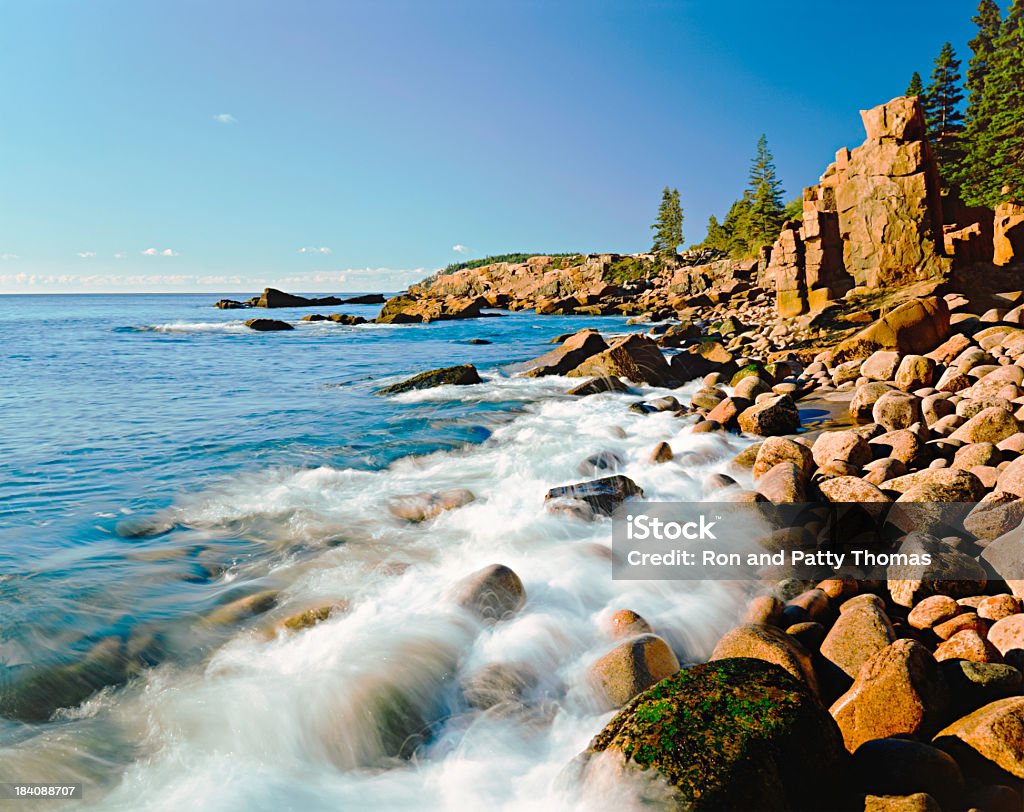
point(874, 220)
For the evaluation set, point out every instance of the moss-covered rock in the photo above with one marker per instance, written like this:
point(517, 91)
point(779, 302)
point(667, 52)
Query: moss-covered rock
point(732, 734)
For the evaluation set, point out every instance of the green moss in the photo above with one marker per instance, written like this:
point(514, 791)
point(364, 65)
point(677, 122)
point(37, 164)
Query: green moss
point(728, 734)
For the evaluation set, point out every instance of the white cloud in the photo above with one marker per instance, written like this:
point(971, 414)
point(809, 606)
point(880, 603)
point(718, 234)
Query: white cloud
point(86, 254)
point(7, 257)
point(150, 252)
point(225, 118)
point(168, 252)
point(156, 252)
point(323, 249)
point(120, 255)
point(460, 248)
point(348, 280)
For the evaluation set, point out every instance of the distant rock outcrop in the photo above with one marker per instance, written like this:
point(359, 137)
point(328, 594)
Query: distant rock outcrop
point(272, 297)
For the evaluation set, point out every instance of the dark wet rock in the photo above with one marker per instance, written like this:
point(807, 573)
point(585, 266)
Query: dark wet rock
point(272, 297)
point(974, 684)
point(268, 325)
point(601, 496)
point(492, 593)
point(462, 375)
point(731, 734)
point(346, 319)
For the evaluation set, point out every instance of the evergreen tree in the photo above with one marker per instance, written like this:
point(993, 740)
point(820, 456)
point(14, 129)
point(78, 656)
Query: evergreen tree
point(668, 228)
point(976, 169)
point(764, 196)
point(916, 86)
point(717, 236)
point(1004, 89)
point(945, 119)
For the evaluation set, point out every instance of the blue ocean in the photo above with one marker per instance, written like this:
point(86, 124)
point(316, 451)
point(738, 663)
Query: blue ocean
point(159, 461)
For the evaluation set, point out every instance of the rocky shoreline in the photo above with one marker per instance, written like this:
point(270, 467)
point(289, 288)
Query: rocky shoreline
point(893, 689)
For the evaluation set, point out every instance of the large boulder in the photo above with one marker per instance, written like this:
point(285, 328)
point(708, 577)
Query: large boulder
point(771, 417)
point(917, 326)
point(898, 690)
point(462, 375)
point(949, 572)
point(567, 356)
point(989, 740)
point(857, 635)
point(841, 446)
point(1005, 557)
point(771, 644)
point(991, 425)
point(634, 357)
point(731, 734)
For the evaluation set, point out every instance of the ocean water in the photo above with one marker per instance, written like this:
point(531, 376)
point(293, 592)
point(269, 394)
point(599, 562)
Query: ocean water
point(159, 460)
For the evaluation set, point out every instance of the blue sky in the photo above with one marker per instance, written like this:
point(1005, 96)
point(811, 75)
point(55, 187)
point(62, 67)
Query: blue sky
point(345, 145)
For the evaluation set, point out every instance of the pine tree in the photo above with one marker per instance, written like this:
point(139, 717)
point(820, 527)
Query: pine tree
point(916, 86)
point(1004, 89)
point(976, 168)
point(668, 228)
point(766, 212)
point(717, 236)
point(945, 119)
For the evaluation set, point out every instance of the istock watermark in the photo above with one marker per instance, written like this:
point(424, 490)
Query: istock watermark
point(759, 540)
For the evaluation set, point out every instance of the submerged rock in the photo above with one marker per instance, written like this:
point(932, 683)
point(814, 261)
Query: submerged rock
point(462, 375)
point(492, 593)
point(421, 507)
point(732, 734)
